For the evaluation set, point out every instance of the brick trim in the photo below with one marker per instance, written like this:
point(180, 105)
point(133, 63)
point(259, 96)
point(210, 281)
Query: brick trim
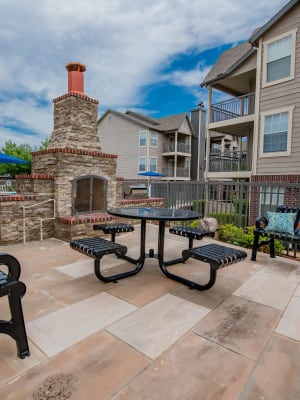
point(74, 151)
point(138, 201)
point(16, 197)
point(75, 94)
point(85, 219)
point(276, 178)
point(36, 176)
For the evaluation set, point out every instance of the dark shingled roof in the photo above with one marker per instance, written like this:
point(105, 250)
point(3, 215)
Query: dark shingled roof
point(170, 123)
point(227, 61)
point(163, 125)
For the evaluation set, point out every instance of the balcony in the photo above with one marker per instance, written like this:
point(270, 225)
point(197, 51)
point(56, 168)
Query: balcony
point(233, 108)
point(181, 148)
point(181, 173)
point(230, 162)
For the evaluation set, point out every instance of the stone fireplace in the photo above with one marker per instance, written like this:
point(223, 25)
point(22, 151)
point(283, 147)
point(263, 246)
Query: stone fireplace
point(84, 177)
point(72, 182)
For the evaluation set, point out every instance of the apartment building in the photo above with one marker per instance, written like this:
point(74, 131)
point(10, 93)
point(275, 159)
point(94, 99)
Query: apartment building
point(143, 143)
point(253, 98)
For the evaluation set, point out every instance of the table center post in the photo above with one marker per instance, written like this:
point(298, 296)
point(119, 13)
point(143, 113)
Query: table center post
point(143, 240)
point(161, 239)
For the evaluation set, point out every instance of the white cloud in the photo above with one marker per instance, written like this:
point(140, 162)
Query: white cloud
point(187, 78)
point(123, 43)
point(26, 115)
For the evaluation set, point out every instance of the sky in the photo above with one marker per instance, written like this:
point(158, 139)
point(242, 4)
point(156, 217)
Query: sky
point(149, 56)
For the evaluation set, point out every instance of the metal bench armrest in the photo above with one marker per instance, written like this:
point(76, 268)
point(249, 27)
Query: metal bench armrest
point(13, 266)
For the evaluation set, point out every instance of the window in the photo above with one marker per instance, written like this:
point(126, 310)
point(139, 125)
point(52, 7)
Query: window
point(142, 164)
point(215, 148)
point(143, 138)
point(279, 59)
point(276, 128)
point(153, 139)
point(270, 198)
point(275, 132)
point(153, 164)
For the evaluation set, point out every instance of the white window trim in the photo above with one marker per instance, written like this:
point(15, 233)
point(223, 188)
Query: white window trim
point(140, 132)
point(155, 158)
point(289, 135)
point(140, 163)
point(266, 43)
point(151, 132)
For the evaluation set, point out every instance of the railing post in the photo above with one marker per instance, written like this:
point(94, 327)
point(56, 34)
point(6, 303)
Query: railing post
point(41, 219)
point(24, 225)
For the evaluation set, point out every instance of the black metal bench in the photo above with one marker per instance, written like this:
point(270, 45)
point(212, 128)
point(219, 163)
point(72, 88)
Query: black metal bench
point(14, 289)
point(264, 234)
point(96, 248)
point(191, 233)
point(112, 229)
point(217, 256)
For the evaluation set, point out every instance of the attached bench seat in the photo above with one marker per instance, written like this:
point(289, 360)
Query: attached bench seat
point(191, 233)
point(283, 224)
point(216, 255)
point(14, 289)
point(96, 248)
point(112, 229)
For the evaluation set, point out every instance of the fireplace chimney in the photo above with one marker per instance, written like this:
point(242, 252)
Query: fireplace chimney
point(75, 77)
point(75, 115)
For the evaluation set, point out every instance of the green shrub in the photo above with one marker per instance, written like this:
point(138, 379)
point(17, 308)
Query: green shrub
point(238, 202)
point(194, 224)
point(230, 233)
point(198, 205)
point(224, 217)
point(229, 218)
point(243, 237)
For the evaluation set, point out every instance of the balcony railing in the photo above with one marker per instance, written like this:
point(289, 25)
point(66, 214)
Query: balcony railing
point(180, 172)
point(181, 148)
point(233, 108)
point(230, 162)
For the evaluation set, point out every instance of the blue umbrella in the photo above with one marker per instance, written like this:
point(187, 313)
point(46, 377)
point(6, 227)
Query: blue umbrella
point(7, 159)
point(150, 173)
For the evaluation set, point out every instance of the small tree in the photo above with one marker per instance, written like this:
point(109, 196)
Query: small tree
point(44, 144)
point(22, 151)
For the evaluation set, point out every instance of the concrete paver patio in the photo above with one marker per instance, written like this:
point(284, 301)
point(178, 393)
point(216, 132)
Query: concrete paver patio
point(148, 337)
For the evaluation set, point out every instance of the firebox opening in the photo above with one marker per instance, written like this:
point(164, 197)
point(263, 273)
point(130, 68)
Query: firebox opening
point(89, 194)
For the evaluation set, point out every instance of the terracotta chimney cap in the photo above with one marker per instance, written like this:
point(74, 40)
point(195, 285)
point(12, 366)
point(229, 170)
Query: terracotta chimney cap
point(75, 66)
point(75, 77)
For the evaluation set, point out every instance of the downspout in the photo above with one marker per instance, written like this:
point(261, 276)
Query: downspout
point(256, 108)
point(148, 151)
point(207, 141)
point(198, 150)
point(175, 158)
